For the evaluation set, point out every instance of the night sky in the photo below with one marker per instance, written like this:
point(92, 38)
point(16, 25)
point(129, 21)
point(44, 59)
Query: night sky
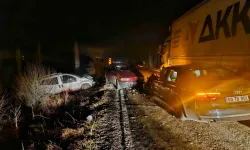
point(137, 26)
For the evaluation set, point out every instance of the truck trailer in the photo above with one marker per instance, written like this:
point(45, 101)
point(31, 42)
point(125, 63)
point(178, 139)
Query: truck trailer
point(215, 32)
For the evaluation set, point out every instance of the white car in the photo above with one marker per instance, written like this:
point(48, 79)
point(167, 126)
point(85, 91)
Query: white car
point(61, 82)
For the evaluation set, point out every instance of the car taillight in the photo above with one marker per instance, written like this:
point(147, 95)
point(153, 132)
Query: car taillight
point(207, 96)
point(124, 79)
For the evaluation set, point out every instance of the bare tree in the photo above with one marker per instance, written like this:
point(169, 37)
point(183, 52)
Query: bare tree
point(29, 89)
point(16, 111)
point(3, 102)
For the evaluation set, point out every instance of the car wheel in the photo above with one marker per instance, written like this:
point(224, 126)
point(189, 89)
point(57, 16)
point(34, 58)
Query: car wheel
point(118, 86)
point(85, 86)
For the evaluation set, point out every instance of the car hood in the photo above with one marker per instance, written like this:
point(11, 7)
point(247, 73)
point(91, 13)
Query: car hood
point(87, 79)
point(86, 76)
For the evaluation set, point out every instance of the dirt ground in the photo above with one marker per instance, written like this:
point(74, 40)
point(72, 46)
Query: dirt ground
point(153, 128)
point(70, 124)
point(129, 120)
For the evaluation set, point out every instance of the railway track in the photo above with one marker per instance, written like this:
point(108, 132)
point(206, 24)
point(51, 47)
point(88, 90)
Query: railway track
point(124, 121)
point(135, 121)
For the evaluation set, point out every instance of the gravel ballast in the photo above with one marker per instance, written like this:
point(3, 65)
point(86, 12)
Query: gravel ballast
point(110, 133)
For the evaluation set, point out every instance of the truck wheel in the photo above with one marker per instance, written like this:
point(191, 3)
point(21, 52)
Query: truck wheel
point(85, 86)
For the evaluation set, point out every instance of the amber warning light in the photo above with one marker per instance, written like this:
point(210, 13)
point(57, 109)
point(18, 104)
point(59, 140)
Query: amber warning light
point(110, 61)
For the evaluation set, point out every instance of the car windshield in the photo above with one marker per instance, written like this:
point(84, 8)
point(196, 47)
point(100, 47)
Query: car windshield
point(76, 75)
point(122, 67)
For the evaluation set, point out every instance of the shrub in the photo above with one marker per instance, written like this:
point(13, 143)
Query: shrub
point(51, 104)
point(28, 87)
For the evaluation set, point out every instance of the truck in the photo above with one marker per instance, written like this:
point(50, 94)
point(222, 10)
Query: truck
point(215, 32)
point(208, 46)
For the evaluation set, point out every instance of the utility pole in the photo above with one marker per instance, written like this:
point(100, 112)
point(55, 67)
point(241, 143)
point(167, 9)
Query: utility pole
point(76, 56)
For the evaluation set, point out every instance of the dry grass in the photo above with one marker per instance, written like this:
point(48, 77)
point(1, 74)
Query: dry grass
point(88, 144)
point(84, 136)
point(105, 98)
point(52, 102)
point(82, 143)
point(68, 133)
point(100, 102)
point(107, 87)
point(52, 147)
point(91, 126)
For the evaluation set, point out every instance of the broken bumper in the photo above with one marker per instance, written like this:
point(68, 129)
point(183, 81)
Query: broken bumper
point(232, 114)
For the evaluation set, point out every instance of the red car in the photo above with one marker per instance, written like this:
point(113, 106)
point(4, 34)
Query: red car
point(120, 75)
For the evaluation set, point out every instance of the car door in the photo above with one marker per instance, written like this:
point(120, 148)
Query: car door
point(169, 89)
point(158, 84)
point(51, 85)
point(70, 83)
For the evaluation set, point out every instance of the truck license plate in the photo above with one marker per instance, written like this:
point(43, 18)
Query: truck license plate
point(237, 99)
